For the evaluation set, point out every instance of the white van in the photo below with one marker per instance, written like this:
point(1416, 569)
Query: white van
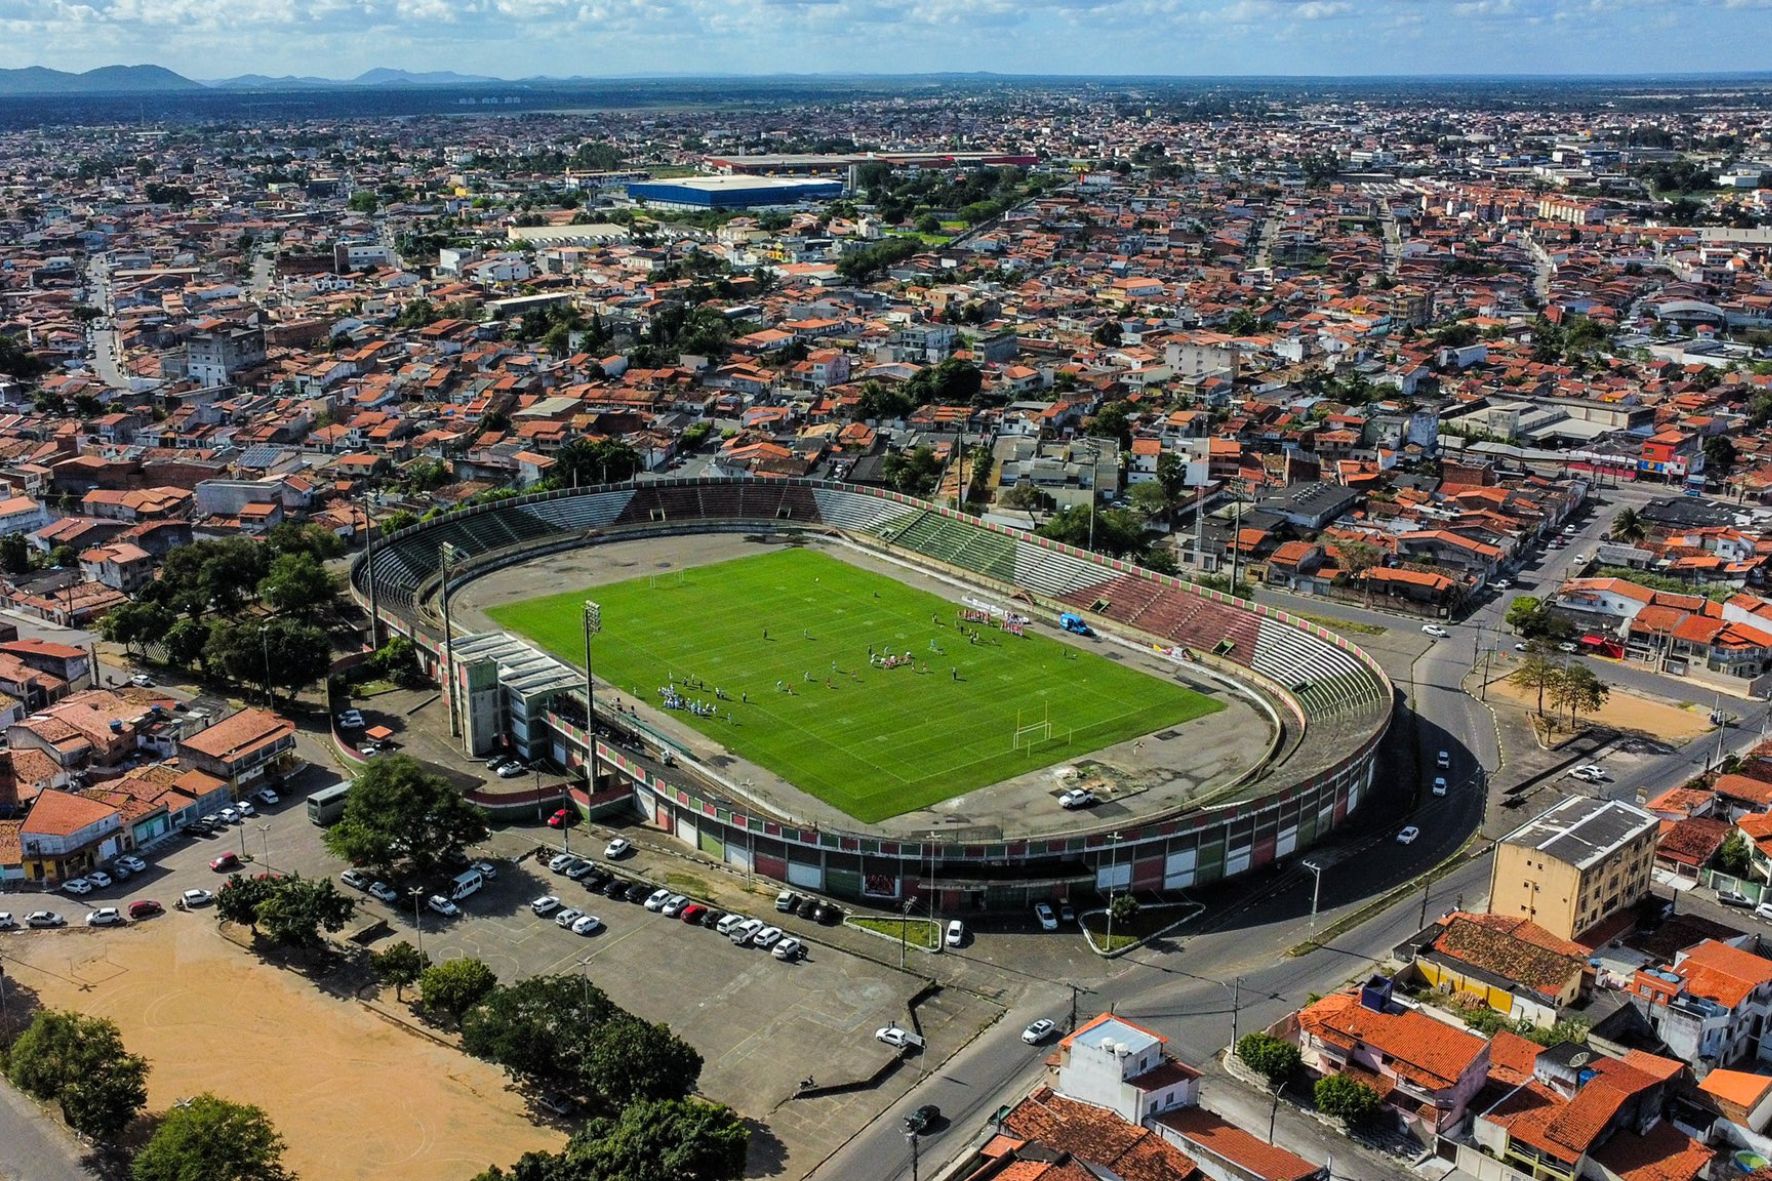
point(467, 882)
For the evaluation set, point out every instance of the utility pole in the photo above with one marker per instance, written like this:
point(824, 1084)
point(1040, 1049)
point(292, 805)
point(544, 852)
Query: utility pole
point(1426, 884)
point(1072, 1027)
point(264, 643)
point(1236, 1007)
point(1113, 882)
point(916, 1175)
point(1094, 488)
point(1237, 540)
point(1316, 889)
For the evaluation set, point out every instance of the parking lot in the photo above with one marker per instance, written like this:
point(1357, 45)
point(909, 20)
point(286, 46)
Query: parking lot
point(762, 1025)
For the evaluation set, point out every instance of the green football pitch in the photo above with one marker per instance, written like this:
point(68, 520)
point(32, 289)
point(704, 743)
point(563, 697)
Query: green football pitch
point(786, 637)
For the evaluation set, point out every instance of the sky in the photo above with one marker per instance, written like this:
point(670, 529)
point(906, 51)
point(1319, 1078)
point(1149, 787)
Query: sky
point(209, 39)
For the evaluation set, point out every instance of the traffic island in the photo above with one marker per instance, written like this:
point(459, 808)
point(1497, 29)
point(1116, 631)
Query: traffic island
point(1149, 922)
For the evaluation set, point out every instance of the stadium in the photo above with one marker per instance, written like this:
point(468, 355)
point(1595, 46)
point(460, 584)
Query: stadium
point(874, 697)
point(733, 192)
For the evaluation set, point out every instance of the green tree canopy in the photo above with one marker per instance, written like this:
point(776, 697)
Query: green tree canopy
point(537, 1028)
point(400, 812)
point(1276, 1059)
point(455, 986)
point(1346, 1099)
point(401, 965)
point(299, 908)
point(627, 1058)
point(209, 1139)
point(79, 1063)
point(298, 585)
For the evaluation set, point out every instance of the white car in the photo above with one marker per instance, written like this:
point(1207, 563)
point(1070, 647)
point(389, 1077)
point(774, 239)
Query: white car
point(7, 922)
point(485, 869)
point(545, 905)
point(673, 906)
point(77, 886)
point(350, 719)
point(956, 933)
point(229, 815)
point(1592, 772)
point(196, 898)
point(1076, 797)
point(1408, 835)
point(1439, 785)
point(586, 924)
point(443, 906)
point(767, 938)
point(1570, 531)
point(100, 879)
point(619, 847)
point(45, 918)
point(725, 925)
point(1435, 630)
point(1038, 1032)
point(269, 798)
point(1443, 760)
point(742, 932)
point(561, 862)
point(569, 916)
point(1048, 921)
point(245, 808)
point(788, 949)
point(105, 916)
point(132, 863)
point(656, 900)
point(511, 771)
point(356, 879)
point(893, 1036)
point(384, 892)
point(1763, 910)
point(142, 681)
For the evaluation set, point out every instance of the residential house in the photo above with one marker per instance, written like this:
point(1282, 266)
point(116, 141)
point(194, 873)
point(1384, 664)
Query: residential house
point(246, 749)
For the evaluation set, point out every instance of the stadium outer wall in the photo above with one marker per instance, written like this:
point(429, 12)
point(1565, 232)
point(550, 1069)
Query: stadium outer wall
point(1304, 795)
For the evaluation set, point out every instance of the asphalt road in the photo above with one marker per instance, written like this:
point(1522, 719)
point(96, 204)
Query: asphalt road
point(34, 1147)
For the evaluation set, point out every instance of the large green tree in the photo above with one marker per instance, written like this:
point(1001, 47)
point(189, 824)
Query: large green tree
point(398, 812)
point(1277, 1059)
point(455, 986)
point(79, 1063)
point(653, 1140)
point(298, 585)
point(627, 1058)
point(1347, 1099)
point(400, 965)
point(209, 1139)
point(537, 1028)
point(299, 909)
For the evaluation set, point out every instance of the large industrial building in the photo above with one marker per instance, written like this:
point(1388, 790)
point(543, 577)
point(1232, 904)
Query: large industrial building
point(734, 192)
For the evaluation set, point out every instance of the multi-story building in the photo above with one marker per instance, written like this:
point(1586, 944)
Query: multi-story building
point(1712, 1007)
point(245, 749)
point(1574, 865)
point(213, 358)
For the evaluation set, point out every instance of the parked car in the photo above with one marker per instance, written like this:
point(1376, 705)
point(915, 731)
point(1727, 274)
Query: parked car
point(143, 908)
point(897, 1038)
point(1407, 835)
point(1763, 910)
point(485, 869)
point(99, 879)
point(1038, 1031)
point(787, 902)
point(105, 916)
point(827, 913)
point(956, 933)
point(512, 770)
point(7, 922)
point(229, 815)
point(725, 925)
point(1435, 630)
point(615, 888)
point(693, 912)
point(268, 798)
point(568, 916)
point(350, 719)
point(77, 886)
point(1048, 922)
point(1592, 772)
point(142, 681)
point(564, 818)
point(1076, 797)
point(1566, 647)
point(545, 905)
point(741, 934)
point(561, 862)
point(224, 863)
point(657, 899)
point(619, 847)
point(1443, 760)
point(132, 863)
point(443, 906)
point(788, 949)
point(1065, 913)
point(193, 898)
point(45, 918)
point(766, 938)
point(586, 924)
point(384, 892)
point(579, 869)
point(1731, 898)
point(245, 809)
point(355, 878)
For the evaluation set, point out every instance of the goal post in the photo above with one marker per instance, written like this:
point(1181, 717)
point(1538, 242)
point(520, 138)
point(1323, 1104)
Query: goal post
point(1026, 737)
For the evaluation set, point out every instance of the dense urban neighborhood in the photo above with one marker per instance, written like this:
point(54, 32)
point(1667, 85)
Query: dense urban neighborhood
point(1000, 631)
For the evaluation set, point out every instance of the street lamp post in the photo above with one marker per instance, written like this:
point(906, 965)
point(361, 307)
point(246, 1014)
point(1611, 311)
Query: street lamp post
point(369, 572)
point(1113, 882)
point(418, 922)
point(1317, 889)
point(264, 643)
point(904, 930)
point(264, 831)
point(915, 1173)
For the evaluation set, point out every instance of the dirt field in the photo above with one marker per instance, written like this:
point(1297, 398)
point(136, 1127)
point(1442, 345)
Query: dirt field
point(354, 1096)
point(1623, 711)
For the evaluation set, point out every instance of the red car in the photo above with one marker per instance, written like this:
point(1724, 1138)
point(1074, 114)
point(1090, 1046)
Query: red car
point(225, 862)
point(693, 912)
point(144, 907)
point(564, 818)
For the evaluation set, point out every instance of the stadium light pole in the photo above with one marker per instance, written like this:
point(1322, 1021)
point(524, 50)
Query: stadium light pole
point(445, 555)
point(593, 621)
point(369, 571)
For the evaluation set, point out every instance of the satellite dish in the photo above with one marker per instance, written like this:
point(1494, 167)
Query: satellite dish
point(1580, 1059)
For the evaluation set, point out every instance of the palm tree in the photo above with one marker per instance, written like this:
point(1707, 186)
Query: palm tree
point(1628, 526)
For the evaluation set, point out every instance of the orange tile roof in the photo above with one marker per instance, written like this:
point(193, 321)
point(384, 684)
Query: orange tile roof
point(1722, 973)
point(1426, 1052)
point(61, 814)
point(1743, 1088)
point(1213, 1136)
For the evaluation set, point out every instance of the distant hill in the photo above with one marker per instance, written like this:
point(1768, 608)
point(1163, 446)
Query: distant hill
point(104, 80)
point(386, 77)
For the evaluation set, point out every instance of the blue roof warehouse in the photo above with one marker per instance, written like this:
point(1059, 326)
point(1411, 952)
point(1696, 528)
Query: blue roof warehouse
point(734, 192)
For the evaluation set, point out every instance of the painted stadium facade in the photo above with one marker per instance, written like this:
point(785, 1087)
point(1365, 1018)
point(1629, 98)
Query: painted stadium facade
point(1333, 700)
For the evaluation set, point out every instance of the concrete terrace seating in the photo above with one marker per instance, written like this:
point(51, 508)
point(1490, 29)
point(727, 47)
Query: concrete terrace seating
point(856, 514)
point(570, 514)
point(1051, 571)
point(961, 544)
point(657, 503)
point(1335, 680)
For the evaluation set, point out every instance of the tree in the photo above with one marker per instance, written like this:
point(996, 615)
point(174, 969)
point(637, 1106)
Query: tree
point(1628, 526)
point(400, 965)
point(298, 585)
point(15, 554)
point(1526, 615)
point(1357, 557)
point(537, 1028)
point(1124, 907)
point(1113, 421)
point(184, 642)
point(363, 201)
point(1719, 453)
point(240, 897)
point(1735, 858)
point(64, 557)
point(660, 1140)
point(1578, 690)
point(79, 1062)
point(454, 987)
point(299, 908)
point(1117, 531)
point(1276, 1059)
point(916, 471)
point(1536, 674)
point(582, 463)
point(209, 1139)
point(1150, 499)
point(627, 1059)
point(134, 624)
point(1346, 1099)
point(1108, 333)
point(397, 812)
point(16, 360)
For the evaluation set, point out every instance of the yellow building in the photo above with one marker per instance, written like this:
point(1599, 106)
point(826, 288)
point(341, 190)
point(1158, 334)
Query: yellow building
point(1574, 865)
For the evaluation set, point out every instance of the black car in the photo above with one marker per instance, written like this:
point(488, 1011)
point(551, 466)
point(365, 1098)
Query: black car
point(615, 888)
point(923, 1118)
point(711, 917)
point(640, 892)
point(597, 878)
point(828, 913)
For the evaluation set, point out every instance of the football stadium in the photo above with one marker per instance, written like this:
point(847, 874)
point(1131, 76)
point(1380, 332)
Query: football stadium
point(874, 697)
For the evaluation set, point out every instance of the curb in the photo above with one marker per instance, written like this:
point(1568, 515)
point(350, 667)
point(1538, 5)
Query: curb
point(1195, 909)
point(1383, 902)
